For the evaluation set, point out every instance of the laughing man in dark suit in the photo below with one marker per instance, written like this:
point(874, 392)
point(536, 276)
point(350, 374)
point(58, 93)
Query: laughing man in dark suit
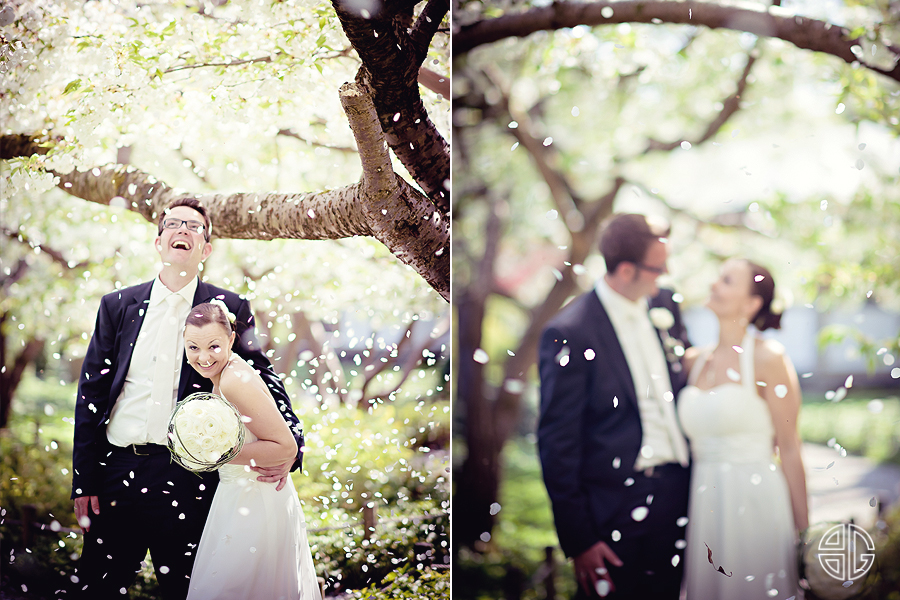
point(129, 496)
point(614, 460)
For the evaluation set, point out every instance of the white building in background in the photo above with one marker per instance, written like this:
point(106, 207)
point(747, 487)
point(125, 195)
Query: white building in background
point(823, 369)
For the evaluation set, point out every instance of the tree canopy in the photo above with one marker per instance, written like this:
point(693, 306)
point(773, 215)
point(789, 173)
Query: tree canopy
point(84, 81)
point(285, 118)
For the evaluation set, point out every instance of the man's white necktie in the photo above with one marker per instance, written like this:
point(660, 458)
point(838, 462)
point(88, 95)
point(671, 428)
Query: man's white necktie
point(168, 351)
point(660, 390)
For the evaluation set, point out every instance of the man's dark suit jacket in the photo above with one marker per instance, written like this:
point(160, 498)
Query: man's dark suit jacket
point(589, 433)
point(108, 357)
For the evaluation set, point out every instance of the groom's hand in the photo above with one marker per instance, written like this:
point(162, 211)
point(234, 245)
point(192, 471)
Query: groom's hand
point(590, 569)
point(273, 474)
point(82, 505)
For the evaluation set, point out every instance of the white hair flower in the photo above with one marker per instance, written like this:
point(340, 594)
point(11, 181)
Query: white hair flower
point(228, 314)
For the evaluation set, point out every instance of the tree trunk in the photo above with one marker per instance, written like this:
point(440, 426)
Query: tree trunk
point(478, 480)
point(11, 375)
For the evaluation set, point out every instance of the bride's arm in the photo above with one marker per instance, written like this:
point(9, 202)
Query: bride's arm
point(782, 393)
point(275, 445)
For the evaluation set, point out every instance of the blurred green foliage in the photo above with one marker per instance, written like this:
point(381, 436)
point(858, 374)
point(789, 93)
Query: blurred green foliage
point(514, 558)
point(883, 582)
point(866, 426)
point(393, 455)
point(408, 583)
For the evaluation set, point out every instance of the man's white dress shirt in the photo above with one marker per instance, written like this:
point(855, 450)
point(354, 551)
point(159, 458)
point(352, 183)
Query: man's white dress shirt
point(649, 371)
point(128, 421)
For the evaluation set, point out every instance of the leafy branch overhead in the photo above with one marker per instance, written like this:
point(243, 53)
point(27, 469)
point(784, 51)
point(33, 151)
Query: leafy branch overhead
point(774, 21)
point(382, 205)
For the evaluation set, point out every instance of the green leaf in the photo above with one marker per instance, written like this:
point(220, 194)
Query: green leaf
point(72, 86)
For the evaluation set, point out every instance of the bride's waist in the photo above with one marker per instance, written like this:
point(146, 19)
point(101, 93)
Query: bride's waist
point(236, 473)
point(732, 448)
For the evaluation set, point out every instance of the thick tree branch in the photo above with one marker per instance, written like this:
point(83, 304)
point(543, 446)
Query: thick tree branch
point(15, 274)
point(19, 145)
point(401, 217)
point(382, 205)
point(506, 408)
point(426, 26)
point(437, 83)
point(805, 33)
point(390, 69)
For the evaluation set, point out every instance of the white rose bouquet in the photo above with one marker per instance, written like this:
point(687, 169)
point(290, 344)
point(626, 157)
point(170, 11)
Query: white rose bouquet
point(205, 432)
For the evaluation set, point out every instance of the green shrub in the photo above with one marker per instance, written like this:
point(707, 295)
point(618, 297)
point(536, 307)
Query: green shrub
point(866, 426)
point(348, 561)
point(883, 582)
point(513, 560)
point(409, 583)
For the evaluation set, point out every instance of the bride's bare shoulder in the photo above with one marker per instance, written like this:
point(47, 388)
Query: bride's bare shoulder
point(771, 358)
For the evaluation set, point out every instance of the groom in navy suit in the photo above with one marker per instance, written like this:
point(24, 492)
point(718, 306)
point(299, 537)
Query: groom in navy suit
point(614, 460)
point(129, 496)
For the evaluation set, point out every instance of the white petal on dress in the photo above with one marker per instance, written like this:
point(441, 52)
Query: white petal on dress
point(254, 544)
point(740, 507)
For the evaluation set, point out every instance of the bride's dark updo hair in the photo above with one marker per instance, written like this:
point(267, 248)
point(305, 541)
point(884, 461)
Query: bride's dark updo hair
point(762, 285)
point(206, 313)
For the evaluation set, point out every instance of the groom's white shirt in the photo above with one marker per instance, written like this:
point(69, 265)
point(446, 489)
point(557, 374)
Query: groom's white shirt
point(128, 419)
point(641, 346)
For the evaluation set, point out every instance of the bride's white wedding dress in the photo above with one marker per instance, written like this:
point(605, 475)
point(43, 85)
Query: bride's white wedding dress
point(254, 543)
point(740, 516)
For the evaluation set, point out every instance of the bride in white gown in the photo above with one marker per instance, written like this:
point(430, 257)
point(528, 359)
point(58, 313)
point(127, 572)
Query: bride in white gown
point(254, 543)
point(739, 411)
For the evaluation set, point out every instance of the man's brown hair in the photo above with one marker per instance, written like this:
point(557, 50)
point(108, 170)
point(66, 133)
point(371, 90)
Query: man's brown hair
point(626, 238)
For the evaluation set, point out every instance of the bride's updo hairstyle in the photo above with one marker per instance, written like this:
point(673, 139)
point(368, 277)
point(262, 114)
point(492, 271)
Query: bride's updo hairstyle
point(762, 285)
point(204, 314)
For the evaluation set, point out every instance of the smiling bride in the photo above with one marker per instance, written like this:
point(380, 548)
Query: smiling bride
point(254, 543)
point(739, 411)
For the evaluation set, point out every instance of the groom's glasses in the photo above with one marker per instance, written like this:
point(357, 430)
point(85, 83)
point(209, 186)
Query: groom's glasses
point(648, 268)
point(176, 223)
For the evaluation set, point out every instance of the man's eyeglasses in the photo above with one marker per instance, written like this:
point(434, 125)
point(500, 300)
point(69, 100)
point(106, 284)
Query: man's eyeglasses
point(176, 223)
point(648, 268)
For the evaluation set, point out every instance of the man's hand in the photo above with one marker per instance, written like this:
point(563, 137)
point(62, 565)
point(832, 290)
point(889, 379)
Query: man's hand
point(273, 474)
point(84, 504)
point(590, 569)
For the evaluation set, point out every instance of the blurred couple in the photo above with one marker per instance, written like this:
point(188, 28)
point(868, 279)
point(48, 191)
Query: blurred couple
point(671, 469)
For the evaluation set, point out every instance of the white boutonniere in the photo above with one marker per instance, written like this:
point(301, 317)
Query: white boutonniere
point(661, 318)
point(664, 320)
